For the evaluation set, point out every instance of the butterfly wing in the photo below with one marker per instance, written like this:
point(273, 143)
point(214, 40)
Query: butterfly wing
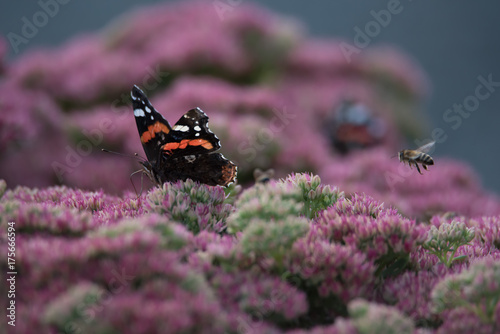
point(191, 136)
point(153, 128)
point(212, 169)
point(184, 151)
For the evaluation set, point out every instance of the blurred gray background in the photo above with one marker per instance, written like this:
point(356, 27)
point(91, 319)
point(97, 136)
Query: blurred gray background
point(454, 41)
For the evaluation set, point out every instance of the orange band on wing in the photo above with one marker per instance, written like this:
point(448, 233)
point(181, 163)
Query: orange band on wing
point(170, 146)
point(153, 130)
point(201, 142)
point(185, 142)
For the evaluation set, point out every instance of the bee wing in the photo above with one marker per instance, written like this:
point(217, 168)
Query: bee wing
point(426, 148)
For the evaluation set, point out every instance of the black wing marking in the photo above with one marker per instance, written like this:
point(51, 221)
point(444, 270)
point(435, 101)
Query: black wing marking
point(192, 131)
point(212, 169)
point(152, 126)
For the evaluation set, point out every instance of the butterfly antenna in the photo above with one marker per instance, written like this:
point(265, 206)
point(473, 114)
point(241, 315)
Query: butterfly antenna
point(135, 156)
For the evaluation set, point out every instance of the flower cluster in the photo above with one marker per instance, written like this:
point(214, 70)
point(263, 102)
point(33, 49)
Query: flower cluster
point(341, 326)
point(445, 241)
point(361, 204)
point(487, 229)
point(411, 294)
point(41, 217)
point(315, 196)
point(371, 318)
point(260, 296)
point(272, 239)
point(463, 321)
point(175, 298)
point(476, 289)
point(384, 236)
point(300, 255)
point(332, 271)
point(197, 206)
point(63, 196)
point(76, 303)
point(271, 202)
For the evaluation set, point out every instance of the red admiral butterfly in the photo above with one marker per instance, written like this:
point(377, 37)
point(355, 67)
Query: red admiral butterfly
point(354, 127)
point(184, 151)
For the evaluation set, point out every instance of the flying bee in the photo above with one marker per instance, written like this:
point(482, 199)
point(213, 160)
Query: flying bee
point(418, 156)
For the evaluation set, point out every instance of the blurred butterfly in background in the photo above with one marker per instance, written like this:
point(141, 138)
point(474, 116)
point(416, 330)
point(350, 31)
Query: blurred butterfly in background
point(354, 126)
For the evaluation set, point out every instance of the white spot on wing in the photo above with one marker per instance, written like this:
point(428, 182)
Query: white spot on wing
point(181, 128)
point(139, 113)
point(196, 134)
point(148, 110)
point(197, 128)
point(152, 118)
